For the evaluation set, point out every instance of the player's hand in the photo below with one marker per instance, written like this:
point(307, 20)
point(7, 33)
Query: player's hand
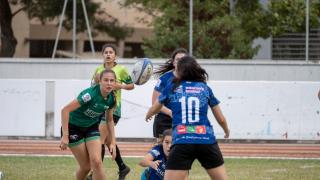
point(112, 150)
point(155, 164)
point(117, 86)
point(226, 134)
point(148, 118)
point(64, 142)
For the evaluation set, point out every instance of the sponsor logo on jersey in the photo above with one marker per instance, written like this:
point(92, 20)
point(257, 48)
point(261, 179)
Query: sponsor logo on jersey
point(178, 89)
point(201, 129)
point(91, 113)
point(191, 129)
point(181, 129)
point(155, 152)
point(86, 97)
point(193, 89)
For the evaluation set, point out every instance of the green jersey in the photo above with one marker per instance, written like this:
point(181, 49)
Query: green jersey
point(93, 104)
point(122, 77)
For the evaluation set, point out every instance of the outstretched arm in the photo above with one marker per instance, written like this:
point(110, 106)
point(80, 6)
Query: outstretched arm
point(154, 109)
point(124, 86)
point(164, 109)
point(110, 126)
point(65, 113)
point(221, 120)
point(147, 161)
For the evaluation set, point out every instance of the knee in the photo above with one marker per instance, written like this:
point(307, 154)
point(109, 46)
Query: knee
point(96, 163)
point(85, 168)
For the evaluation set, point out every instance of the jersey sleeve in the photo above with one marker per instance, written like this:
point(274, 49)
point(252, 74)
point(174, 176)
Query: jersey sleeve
point(155, 151)
point(164, 96)
point(125, 76)
point(160, 84)
point(212, 100)
point(85, 96)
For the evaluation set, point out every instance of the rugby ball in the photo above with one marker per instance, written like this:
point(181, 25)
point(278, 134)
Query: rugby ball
point(142, 71)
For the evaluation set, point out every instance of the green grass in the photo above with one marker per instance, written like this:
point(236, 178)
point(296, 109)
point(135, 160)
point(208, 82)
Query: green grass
point(52, 168)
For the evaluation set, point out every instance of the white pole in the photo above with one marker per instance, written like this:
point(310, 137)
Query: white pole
point(59, 29)
point(88, 27)
point(307, 30)
point(74, 28)
point(190, 25)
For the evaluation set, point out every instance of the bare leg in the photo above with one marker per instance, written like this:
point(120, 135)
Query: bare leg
point(218, 173)
point(94, 149)
point(176, 174)
point(103, 132)
point(103, 135)
point(81, 154)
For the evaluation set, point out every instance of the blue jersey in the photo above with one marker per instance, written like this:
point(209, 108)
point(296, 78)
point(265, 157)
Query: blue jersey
point(189, 105)
point(158, 154)
point(164, 80)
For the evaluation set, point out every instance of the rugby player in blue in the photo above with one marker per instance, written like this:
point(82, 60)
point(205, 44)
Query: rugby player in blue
point(188, 97)
point(156, 158)
point(163, 119)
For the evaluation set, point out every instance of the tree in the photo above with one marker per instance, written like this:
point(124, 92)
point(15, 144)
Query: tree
point(220, 31)
point(8, 41)
point(48, 10)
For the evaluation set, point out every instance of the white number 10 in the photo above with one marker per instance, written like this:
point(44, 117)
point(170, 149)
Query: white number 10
point(193, 108)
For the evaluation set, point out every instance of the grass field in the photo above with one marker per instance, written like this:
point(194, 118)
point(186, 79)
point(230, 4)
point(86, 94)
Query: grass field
point(53, 168)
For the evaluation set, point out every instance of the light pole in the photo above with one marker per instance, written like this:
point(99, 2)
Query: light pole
point(74, 32)
point(190, 25)
point(307, 30)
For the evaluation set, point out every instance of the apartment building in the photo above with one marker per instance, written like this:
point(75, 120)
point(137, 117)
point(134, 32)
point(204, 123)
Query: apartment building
point(37, 40)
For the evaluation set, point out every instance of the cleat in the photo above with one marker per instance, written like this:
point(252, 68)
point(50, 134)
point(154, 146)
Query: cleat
point(124, 173)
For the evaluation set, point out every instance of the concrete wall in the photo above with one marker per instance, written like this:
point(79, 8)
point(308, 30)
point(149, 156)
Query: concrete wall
point(229, 70)
point(261, 99)
point(254, 109)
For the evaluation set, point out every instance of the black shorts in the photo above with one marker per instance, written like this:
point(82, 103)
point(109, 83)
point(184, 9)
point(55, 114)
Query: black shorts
point(78, 135)
point(161, 123)
point(182, 156)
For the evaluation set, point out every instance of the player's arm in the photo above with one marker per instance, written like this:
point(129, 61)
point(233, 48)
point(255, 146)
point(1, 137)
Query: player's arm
point(96, 78)
point(110, 126)
point(129, 86)
point(221, 119)
point(65, 113)
point(154, 109)
point(125, 82)
point(147, 161)
point(164, 109)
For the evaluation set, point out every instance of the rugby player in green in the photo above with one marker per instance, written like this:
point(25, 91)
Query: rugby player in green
point(124, 81)
point(80, 121)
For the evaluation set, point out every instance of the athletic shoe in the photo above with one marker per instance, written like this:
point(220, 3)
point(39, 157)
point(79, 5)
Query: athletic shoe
point(124, 173)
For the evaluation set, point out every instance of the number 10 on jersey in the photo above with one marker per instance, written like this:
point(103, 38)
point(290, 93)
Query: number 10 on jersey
point(190, 107)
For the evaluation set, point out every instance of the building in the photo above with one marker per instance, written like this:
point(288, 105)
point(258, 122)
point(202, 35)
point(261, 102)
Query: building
point(37, 40)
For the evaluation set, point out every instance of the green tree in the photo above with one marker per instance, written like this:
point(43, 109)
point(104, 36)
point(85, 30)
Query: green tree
point(48, 10)
point(219, 30)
